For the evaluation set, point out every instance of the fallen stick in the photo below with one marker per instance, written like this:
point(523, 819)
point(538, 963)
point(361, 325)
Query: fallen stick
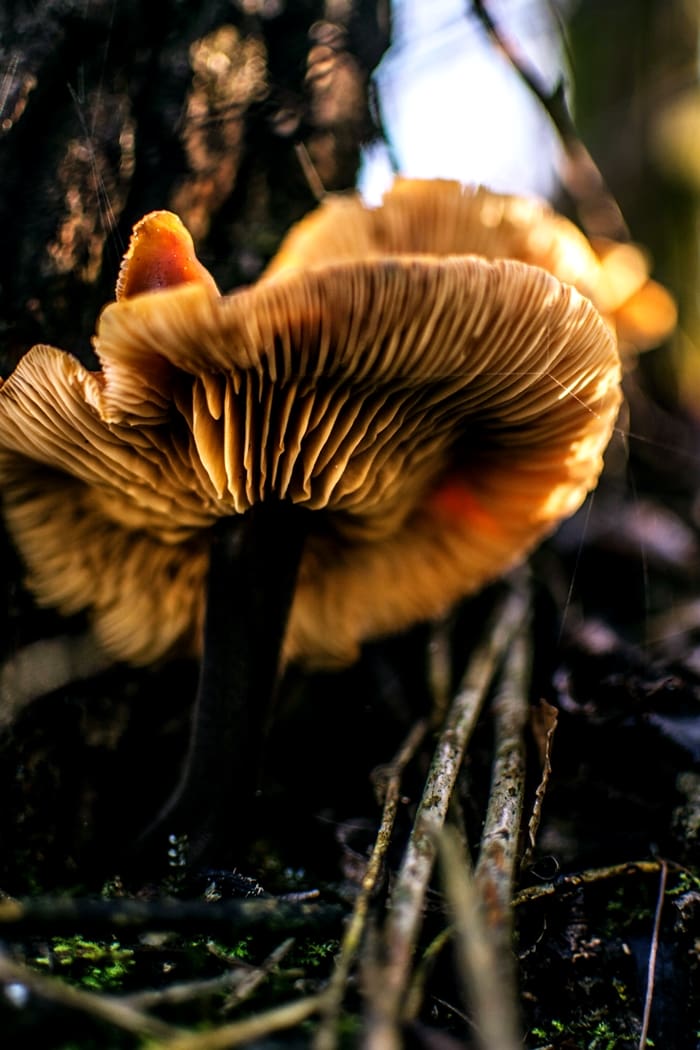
point(408, 897)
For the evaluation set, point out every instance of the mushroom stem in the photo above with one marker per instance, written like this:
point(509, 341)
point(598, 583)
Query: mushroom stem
point(252, 574)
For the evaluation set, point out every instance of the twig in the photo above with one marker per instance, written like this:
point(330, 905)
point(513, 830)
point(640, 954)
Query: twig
point(184, 991)
point(566, 883)
point(599, 211)
point(310, 174)
point(439, 669)
point(414, 998)
point(45, 666)
point(244, 978)
point(325, 1036)
point(254, 978)
point(545, 721)
point(238, 1033)
point(496, 866)
point(653, 952)
point(495, 869)
point(479, 957)
point(61, 914)
point(377, 115)
point(103, 1007)
point(408, 896)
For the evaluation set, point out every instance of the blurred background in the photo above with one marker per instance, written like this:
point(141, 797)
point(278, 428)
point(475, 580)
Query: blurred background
point(239, 115)
point(453, 106)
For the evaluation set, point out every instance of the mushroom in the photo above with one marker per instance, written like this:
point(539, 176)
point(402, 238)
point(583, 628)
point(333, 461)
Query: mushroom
point(643, 311)
point(367, 441)
point(444, 217)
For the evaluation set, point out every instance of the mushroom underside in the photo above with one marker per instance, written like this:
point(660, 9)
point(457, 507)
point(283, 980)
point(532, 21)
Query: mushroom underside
point(443, 416)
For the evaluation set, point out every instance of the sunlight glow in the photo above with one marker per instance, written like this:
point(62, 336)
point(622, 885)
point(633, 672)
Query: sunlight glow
point(454, 108)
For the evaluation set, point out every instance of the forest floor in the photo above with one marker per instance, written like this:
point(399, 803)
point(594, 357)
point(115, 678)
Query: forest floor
point(486, 833)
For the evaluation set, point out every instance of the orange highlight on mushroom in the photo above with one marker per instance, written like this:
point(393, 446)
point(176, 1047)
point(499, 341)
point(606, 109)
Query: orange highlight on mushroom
point(160, 255)
point(454, 499)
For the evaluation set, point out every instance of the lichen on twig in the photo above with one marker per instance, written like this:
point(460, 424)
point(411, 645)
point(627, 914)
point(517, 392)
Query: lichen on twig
point(392, 970)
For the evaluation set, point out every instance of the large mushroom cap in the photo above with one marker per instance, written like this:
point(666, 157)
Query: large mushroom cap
point(443, 217)
point(440, 415)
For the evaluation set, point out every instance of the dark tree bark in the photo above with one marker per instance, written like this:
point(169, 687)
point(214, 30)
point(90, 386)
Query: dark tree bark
point(109, 109)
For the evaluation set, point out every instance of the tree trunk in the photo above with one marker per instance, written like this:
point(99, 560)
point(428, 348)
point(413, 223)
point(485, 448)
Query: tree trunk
point(109, 110)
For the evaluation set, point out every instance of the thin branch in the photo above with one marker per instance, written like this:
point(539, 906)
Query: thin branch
point(498, 855)
point(567, 883)
point(439, 669)
point(495, 870)
point(238, 1033)
point(244, 979)
point(416, 991)
point(255, 977)
point(599, 212)
point(409, 892)
point(653, 952)
point(490, 992)
point(102, 1007)
point(377, 115)
point(45, 666)
point(545, 721)
point(48, 915)
point(311, 175)
point(325, 1036)
point(184, 991)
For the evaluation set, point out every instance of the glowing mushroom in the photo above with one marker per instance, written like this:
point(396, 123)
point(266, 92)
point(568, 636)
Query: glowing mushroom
point(369, 441)
point(443, 217)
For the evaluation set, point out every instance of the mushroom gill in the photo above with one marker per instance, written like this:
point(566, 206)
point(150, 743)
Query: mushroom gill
point(439, 417)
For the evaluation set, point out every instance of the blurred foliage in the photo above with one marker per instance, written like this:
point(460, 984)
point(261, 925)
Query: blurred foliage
point(623, 102)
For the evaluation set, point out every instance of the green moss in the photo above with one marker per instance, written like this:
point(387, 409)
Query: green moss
point(604, 1038)
point(313, 954)
point(601, 1037)
point(97, 965)
point(239, 950)
point(683, 883)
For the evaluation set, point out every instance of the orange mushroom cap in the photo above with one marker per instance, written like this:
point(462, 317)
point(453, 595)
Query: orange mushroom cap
point(441, 415)
point(444, 217)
